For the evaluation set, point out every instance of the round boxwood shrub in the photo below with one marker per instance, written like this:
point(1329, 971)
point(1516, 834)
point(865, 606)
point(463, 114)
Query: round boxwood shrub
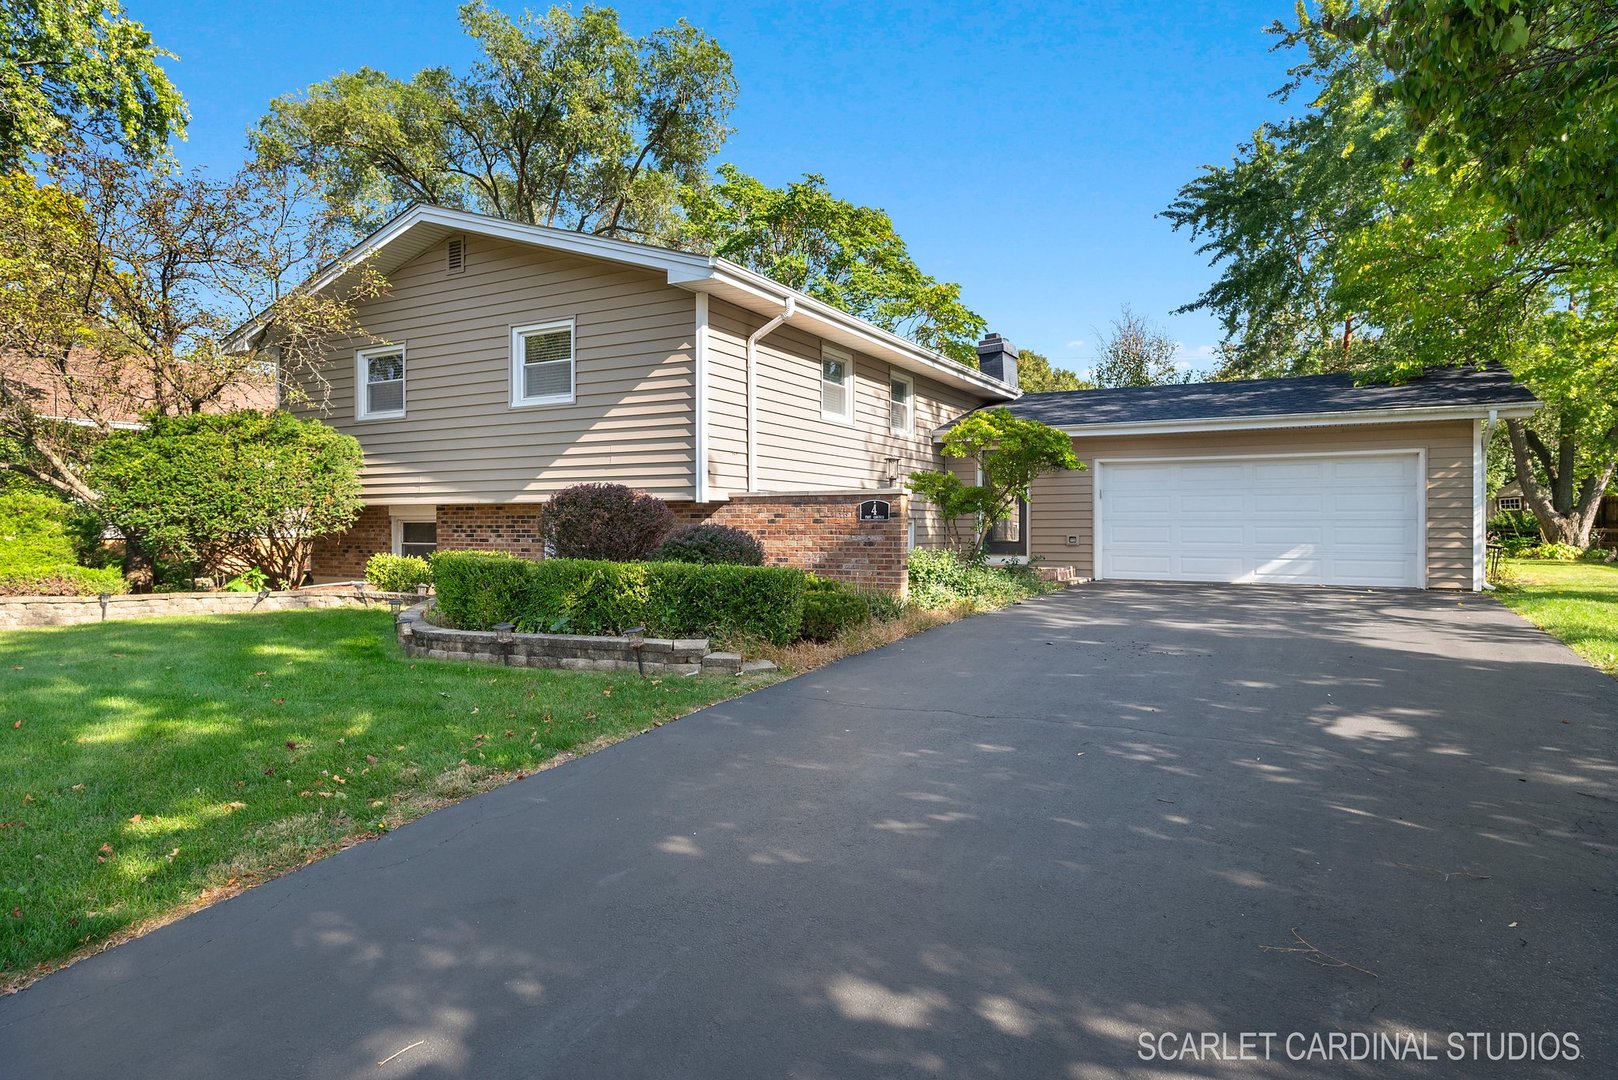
point(604, 521)
point(710, 543)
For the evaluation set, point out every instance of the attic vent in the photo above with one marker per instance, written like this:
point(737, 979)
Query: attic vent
point(455, 261)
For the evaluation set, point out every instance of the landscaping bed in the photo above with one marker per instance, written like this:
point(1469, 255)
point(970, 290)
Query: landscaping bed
point(1576, 602)
point(153, 767)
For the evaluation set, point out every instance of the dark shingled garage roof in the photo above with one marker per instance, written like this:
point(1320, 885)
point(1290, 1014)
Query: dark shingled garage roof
point(1304, 395)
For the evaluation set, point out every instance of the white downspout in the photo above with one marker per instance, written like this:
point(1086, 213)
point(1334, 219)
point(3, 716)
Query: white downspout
point(789, 307)
point(1480, 495)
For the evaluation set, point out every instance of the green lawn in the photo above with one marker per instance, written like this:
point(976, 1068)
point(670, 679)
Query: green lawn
point(1576, 602)
point(149, 766)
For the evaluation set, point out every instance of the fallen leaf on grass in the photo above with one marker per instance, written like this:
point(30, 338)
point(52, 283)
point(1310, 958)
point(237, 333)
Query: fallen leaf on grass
point(291, 745)
point(135, 820)
point(172, 854)
point(16, 912)
point(370, 759)
point(17, 725)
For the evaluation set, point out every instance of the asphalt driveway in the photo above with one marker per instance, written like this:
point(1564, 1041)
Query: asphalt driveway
point(1006, 848)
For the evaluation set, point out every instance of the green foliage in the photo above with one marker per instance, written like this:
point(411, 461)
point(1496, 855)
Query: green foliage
point(1136, 353)
point(849, 256)
point(827, 613)
point(81, 69)
point(565, 120)
point(604, 521)
point(1269, 221)
point(1037, 375)
point(35, 532)
point(1555, 552)
point(398, 573)
point(250, 580)
point(477, 590)
point(710, 543)
point(62, 580)
point(1009, 453)
point(945, 579)
point(1515, 99)
point(245, 486)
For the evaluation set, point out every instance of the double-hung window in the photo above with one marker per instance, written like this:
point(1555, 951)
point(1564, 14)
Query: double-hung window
point(836, 385)
point(379, 383)
point(901, 405)
point(418, 538)
point(542, 363)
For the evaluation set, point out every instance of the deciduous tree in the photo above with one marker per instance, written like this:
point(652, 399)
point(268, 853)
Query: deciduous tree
point(1009, 453)
point(80, 70)
point(1136, 353)
point(565, 120)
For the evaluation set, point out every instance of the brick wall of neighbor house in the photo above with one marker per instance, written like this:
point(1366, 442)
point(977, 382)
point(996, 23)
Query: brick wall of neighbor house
point(821, 533)
point(342, 556)
point(511, 527)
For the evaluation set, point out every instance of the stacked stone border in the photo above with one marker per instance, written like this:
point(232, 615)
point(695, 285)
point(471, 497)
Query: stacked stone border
point(22, 612)
point(423, 640)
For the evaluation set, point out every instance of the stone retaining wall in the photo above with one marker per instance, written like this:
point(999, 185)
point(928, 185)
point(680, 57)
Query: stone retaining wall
point(19, 612)
point(422, 640)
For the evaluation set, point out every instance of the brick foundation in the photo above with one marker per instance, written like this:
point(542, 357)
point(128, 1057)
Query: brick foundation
point(342, 556)
point(512, 527)
point(821, 533)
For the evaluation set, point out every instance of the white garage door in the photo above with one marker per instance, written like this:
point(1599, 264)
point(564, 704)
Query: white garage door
point(1350, 520)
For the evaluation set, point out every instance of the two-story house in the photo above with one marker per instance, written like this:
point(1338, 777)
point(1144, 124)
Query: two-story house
point(516, 360)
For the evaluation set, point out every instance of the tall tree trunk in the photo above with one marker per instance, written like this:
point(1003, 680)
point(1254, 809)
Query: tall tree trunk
point(1566, 510)
point(139, 568)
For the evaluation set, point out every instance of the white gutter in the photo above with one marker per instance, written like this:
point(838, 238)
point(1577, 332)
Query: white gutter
point(1480, 496)
point(788, 306)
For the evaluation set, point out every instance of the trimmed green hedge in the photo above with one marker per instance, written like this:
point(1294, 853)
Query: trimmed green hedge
point(63, 581)
point(478, 589)
point(827, 613)
point(397, 573)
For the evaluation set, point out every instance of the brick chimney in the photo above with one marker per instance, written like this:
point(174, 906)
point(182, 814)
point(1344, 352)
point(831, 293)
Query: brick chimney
point(997, 358)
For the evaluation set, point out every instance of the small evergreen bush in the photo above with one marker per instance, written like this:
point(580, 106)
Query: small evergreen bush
point(828, 612)
point(710, 543)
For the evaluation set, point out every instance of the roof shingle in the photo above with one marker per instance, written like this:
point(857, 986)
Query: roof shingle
point(1302, 395)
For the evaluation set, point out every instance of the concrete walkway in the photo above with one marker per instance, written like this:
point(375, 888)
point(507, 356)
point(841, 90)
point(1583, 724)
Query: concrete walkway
point(1005, 848)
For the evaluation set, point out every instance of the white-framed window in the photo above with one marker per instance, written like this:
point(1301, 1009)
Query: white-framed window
point(901, 404)
point(416, 536)
point(1510, 502)
point(836, 385)
point(542, 363)
point(379, 383)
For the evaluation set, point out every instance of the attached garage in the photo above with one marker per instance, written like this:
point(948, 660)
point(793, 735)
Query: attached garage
point(1306, 481)
point(1354, 519)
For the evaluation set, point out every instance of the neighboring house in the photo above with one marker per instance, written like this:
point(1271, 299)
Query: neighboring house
point(516, 360)
point(114, 392)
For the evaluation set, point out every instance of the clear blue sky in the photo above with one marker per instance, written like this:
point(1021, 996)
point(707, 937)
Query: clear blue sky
point(1023, 151)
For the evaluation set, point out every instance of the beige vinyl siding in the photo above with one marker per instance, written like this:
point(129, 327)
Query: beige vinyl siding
point(1063, 503)
point(800, 450)
point(461, 441)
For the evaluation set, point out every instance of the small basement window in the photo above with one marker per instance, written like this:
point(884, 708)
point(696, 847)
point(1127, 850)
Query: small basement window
point(542, 364)
point(418, 538)
point(837, 385)
point(901, 405)
point(380, 381)
point(1510, 502)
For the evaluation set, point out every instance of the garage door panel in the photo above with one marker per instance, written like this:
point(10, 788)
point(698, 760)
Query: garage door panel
point(1346, 520)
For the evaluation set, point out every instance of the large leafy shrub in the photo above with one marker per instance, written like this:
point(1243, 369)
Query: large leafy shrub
point(604, 521)
point(477, 590)
point(397, 573)
point(1555, 552)
point(710, 543)
point(231, 489)
point(944, 578)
